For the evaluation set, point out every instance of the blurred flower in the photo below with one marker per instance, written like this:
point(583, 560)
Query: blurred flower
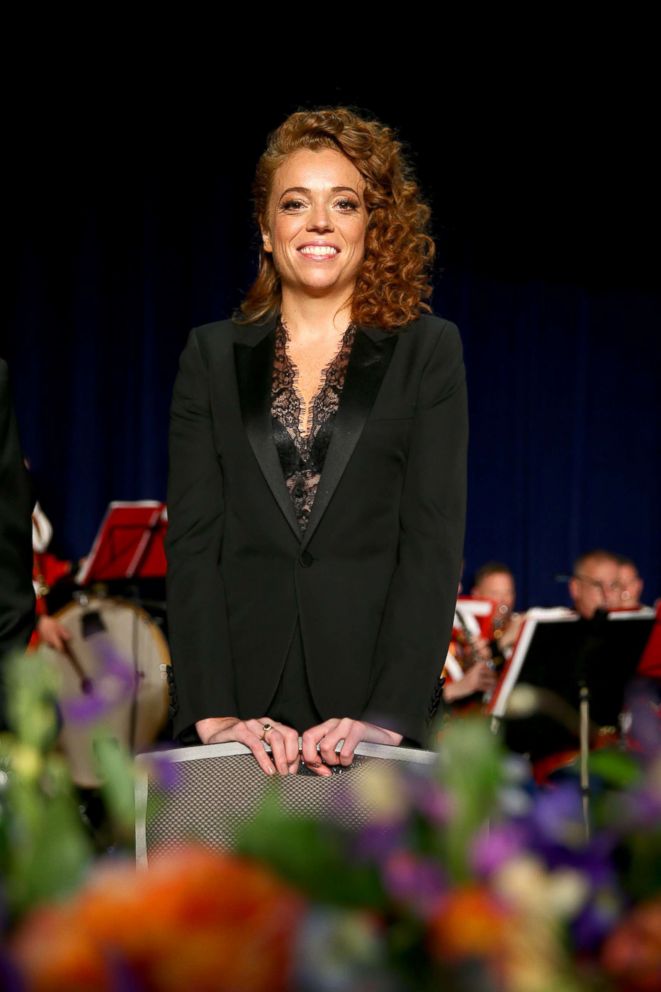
point(160, 769)
point(557, 816)
point(494, 846)
point(377, 840)
point(518, 952)
point(414, 880)
point(524, 884)
point(26, 761)
point(340, 951)
point(514, 801)
point(469, 922)
point(381, 790)
point(596, 919)
point(195, 920)
point(428, 797)
point(632, 953)
point(113, 682)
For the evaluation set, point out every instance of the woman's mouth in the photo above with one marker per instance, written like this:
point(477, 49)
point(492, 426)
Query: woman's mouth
point(319, 252)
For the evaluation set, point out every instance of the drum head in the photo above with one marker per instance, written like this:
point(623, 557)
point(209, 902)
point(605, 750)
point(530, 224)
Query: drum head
point(118, 668)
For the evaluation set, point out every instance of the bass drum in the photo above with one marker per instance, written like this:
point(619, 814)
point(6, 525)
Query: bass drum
point(113, 677)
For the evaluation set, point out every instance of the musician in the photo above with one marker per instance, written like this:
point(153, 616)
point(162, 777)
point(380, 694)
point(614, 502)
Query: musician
point(316, 494)
point(631, 584)
point(16, 592)
point(478, 655)
point(47, 570)
point(495, 581)
point(595, 583)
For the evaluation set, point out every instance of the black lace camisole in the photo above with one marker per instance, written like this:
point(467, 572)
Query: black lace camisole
point(302, 448)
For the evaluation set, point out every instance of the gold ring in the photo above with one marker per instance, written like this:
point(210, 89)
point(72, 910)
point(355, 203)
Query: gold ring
point(266, 727)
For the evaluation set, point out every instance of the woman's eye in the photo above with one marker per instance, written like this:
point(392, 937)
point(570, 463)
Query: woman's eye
point(346, 205)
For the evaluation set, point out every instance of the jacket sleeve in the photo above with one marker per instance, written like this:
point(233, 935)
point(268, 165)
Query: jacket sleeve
point(416, 625)
point(16, 591)
point(197, 615)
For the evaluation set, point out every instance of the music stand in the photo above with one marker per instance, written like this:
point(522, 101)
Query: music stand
point(579, 670)
point(129, 543)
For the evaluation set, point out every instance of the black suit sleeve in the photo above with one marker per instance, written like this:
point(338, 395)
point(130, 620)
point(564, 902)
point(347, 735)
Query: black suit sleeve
point(197, 616)
point(417, 621)
point(16, 590)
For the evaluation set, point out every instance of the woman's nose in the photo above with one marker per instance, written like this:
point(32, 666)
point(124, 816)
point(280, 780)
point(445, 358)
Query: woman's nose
point(319, 218)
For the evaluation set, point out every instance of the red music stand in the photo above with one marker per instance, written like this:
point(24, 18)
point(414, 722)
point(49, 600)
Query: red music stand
point(129, 543)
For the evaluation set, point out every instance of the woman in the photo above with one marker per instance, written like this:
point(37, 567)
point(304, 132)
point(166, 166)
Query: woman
point(304, 601)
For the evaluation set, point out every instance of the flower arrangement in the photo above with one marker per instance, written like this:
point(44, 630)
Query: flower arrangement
point(467, 877)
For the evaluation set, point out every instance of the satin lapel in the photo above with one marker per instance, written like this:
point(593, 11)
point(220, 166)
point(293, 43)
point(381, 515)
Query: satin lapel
point(253, 374)
point(370, 357)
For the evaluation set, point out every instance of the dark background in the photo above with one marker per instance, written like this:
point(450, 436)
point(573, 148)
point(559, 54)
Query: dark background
point(128, 220)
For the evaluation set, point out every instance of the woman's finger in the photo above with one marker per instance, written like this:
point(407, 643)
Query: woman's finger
point(353, 738)
point(274, 740)
point(328, 746)
point(310, 741)
point(248, 733)
point(290, 738)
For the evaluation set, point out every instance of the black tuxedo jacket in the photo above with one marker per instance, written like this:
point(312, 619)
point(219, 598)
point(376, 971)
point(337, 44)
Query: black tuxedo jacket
point(16, 591)
point(374, 578)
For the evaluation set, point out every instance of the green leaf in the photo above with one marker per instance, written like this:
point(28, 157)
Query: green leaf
point(32, 689)
point(616, 767)
point(115, 767)
point(471, 771)
point(311, 854)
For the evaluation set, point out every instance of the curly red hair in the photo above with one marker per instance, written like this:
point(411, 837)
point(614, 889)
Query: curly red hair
point(394, 281)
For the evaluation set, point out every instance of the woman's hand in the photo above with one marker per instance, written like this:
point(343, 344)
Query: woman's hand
point(326, 736)
point(282, 740)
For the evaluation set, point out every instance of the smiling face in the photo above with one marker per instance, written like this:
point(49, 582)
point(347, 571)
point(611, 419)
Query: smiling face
point(316, 223)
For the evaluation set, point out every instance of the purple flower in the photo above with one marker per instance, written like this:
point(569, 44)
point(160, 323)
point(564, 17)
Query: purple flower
point(640, 807)
point(493, 847)
point(414, 880)
point(113, 682)
point(377, 840)
point(162, 770)
point(596, 919)
point(10, 977)
point(557, 816)
point(428, 798)
point(593, 861)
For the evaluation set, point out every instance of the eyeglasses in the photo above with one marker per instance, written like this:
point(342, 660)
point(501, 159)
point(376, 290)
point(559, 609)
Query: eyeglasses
point(603, 587)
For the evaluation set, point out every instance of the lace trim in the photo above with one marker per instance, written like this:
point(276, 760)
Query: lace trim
point(302, 454)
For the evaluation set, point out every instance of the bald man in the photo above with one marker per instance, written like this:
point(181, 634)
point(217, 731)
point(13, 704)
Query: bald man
point(595, 583)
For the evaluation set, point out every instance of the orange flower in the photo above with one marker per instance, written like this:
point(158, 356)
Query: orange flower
point(469, 923)
point(196, 919)
point(632, 953)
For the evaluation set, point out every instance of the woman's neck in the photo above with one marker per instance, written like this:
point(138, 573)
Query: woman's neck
point(308, 319)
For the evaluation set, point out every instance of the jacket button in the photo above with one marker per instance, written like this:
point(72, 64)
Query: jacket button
point(306, 559)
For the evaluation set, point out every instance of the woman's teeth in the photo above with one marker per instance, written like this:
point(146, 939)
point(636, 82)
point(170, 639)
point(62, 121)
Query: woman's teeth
point(318, 250)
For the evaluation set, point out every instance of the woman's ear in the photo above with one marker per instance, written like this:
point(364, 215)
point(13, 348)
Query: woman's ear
point(266, 240)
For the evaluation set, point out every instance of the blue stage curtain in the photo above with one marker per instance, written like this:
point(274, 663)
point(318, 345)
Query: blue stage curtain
point(563, 377)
